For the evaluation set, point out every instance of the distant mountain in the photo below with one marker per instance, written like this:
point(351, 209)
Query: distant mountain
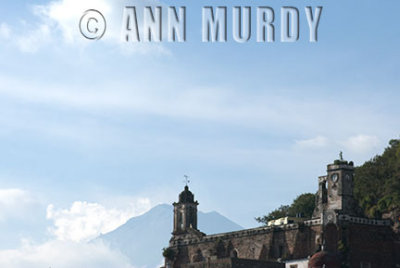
point(142, 238)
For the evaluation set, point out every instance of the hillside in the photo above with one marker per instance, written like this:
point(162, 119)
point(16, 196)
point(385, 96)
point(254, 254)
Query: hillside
point(377, 184)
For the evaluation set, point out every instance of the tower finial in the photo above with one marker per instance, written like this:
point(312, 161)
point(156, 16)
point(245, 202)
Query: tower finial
point(186, 181)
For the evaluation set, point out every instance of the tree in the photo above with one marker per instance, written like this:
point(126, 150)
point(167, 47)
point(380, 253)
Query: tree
point(303, 205)
point(281, 212)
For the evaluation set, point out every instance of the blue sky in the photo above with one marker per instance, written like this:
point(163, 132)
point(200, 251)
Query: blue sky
point(110, 128)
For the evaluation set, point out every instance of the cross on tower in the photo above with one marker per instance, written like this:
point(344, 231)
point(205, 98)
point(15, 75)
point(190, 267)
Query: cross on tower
point(186, 181)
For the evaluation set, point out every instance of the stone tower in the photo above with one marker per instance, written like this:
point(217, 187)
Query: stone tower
point(340, 187)
point(335, 192)
point(185, 212)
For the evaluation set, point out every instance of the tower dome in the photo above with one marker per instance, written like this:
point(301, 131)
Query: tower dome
point(186, 196)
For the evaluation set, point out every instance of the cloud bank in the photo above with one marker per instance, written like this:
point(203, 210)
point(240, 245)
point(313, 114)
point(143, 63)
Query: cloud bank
point(57, 23)
point(84, 221)
point(62, 254)
point(69, 233)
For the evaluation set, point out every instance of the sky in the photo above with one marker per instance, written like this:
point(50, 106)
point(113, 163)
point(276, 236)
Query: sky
point(95, 132)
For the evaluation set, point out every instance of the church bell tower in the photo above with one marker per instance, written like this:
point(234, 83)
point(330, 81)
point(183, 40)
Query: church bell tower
point(335, 192)
point(185, 212)
point(340, 187)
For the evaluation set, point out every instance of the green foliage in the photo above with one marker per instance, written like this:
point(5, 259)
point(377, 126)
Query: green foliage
point(341, 246)
point(304, 204)
point(377, 182)
point(340, 162)
point(169, 253)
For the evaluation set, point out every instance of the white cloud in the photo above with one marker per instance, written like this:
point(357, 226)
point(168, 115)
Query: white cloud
point(11, 197)
point(227, 106)
point(215, 104)
point(33, 40)
point(15, 203)
point(72, 228)
point(5, 31)
point(54, 20)
point(66, 14)
point(59, 254)
point(84, 221)
point(317, 142)
point(361, 143)
point(57, 22)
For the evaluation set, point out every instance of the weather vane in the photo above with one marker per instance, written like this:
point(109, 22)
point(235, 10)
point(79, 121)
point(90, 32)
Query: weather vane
point(186, 181)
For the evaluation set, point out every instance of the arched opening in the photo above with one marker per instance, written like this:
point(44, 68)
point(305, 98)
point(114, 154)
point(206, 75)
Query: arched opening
point(234, 253)
point(264, 253)
point(325, 191)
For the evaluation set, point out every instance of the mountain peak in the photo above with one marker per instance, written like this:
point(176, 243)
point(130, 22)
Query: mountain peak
point(142, 238)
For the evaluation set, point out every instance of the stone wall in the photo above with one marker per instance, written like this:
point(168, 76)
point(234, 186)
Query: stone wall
point(292, 241)
point(370, 244)
point(234, 263)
